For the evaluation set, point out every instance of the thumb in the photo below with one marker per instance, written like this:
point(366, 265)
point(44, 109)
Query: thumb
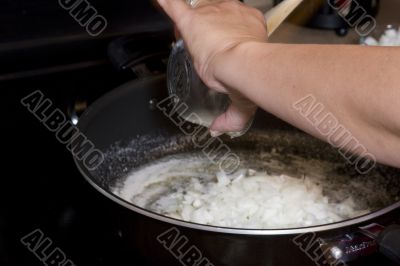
point(235, 119)
point(175, 9)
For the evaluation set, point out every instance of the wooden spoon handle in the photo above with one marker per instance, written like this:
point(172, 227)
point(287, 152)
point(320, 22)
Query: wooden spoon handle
point(275, 16)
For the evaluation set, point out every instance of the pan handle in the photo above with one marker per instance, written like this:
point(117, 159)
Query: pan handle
point(129, 52)
point(389, 242)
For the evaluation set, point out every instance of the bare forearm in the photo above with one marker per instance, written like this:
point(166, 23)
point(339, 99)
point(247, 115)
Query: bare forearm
point(360, 86)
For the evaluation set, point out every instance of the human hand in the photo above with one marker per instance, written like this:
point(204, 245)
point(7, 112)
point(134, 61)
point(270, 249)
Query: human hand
point(210, 31)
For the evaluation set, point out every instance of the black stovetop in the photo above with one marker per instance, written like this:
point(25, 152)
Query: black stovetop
point(41, 187)
point(43, 48)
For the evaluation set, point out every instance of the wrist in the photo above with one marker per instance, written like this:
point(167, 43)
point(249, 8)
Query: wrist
point(234, 66)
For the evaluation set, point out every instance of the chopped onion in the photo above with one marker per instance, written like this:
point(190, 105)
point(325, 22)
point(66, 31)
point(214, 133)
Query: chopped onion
point(247, 199)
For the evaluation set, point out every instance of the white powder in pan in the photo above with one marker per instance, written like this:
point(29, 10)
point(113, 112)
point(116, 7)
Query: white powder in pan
point(187, 189)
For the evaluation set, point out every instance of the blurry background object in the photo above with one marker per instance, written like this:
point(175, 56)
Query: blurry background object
point(388, 35)
point(320, 14)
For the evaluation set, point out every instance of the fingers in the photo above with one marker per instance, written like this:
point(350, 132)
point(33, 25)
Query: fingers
point(235, 119)
point(175, 9)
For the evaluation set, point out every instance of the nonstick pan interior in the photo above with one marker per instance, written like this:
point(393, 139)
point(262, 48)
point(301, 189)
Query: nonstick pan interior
point(132, 132)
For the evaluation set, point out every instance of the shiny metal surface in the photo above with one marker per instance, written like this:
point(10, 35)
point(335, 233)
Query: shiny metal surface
point(124, 98)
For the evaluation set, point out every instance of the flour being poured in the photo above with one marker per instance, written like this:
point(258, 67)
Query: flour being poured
point(188, 188)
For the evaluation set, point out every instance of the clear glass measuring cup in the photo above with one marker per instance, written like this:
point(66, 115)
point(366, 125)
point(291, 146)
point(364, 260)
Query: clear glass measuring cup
point(187, 88)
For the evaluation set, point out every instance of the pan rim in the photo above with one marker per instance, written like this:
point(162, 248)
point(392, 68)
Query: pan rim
point(234, 231)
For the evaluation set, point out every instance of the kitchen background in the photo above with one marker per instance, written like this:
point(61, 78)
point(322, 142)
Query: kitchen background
point(389, 13)
point(42, 47)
